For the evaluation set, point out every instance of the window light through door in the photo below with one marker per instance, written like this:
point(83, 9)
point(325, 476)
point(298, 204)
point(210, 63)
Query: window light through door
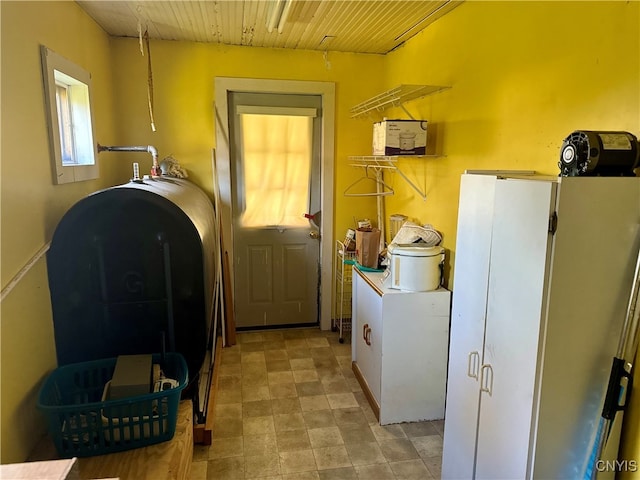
point(276, 167)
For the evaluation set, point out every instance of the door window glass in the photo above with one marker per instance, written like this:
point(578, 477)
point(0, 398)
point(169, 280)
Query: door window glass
point(277, 152)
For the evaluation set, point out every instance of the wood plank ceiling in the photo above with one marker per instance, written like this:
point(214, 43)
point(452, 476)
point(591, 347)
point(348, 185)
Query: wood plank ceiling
point(360, 26)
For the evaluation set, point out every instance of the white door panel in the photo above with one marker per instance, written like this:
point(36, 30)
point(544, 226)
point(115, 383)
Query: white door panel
point(475, 216)
point(515, 305)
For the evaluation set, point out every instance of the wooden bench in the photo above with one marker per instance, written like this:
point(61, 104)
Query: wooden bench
point(169, 460)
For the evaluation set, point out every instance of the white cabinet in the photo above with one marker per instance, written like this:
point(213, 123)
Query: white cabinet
point(542, 273)
point(399, 348)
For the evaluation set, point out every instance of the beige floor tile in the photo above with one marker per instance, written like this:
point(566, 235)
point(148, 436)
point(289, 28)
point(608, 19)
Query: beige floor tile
point(285, 405)
point(229, 382)
point(294, 333)
point(229, 396)
point(276, 378)
point(356, 434)
point(430, 446)
point(248, 337)
point(342, 350)
point(226, 447)
point(225, 468)
point(295, 343)
point(249, 368)
point(252, 347)
point(255, 378)
point(292, 440)
point(342, 400)
point(398, 450)
point(438, 425)
point(230, 427)
point(252, 357)
point(325, 437)
point(272, 336)
point(378, 472)
point(410, 470)
point(297, 461)
point(329, 374)
point(259, 445)
point(275, 354)
point(227, 410)
point(308, 389)
point(275, 345)
point(434, 465)
point(344, 473)
point(331, 457)
point(256, 393)
point(278, 365)
point(313, 403)
point(258, 408)
point(387, 432)
point(350, 416)
point(419, 429)
point(302, 476)
point(230, 357)
point(317, 342)
point(365, 453)
point(323, 351)
point(302, 364)
point(319, 419)
point(283, 390)
point(262, 465)
point(258, 426)
point(302, 376)
point(288, 421)
point(298, 353)
point(339, 385)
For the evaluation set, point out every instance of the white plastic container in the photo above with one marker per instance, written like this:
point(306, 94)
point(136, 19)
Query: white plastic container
point(415, 268)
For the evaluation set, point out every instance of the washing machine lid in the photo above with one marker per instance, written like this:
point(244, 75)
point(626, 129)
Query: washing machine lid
point(414, 250)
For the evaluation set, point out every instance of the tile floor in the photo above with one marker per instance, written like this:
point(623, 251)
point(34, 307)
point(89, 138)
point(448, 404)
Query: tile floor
point(290, 408)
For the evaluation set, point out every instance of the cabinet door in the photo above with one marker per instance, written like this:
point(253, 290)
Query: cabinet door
point(515, 304)
point(367, 316)
point(473, 248)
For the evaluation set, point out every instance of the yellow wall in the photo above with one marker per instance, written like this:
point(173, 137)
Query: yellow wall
point(183, 81)
point(31, 204)
point(523, 75)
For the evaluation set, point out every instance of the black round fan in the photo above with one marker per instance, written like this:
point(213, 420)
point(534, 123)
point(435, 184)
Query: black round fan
point(598, 154)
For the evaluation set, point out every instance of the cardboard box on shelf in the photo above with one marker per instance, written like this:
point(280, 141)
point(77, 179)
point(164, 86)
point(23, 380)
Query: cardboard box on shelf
point(400, 137)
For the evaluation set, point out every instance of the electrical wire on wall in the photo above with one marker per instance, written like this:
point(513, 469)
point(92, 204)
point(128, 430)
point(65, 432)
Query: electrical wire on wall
point(149, 81)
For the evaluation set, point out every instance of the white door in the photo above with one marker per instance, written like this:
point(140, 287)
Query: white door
point(275, 164)
point(517, 284)
point(473, 249)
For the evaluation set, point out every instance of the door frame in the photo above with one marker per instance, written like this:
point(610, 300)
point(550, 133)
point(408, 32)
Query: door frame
point(222, 167)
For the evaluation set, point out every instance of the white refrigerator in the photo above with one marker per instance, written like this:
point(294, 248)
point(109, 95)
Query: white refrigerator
point(543, 271)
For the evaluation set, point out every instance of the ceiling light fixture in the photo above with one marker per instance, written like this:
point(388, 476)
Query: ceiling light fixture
point(277, 14)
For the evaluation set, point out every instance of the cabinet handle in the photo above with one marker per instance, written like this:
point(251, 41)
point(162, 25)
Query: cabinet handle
point(472, 365)
point(486, 381)
point(366, 334)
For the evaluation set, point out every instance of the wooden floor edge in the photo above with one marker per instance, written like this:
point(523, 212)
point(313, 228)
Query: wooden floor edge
point(203, 433)
point(365, 389)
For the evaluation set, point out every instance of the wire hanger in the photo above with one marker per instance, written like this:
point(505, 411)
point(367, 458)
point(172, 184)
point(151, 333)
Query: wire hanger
point(377, 182)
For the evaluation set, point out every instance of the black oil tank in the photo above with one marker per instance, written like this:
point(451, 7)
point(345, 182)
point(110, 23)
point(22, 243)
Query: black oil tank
point(131, 270)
